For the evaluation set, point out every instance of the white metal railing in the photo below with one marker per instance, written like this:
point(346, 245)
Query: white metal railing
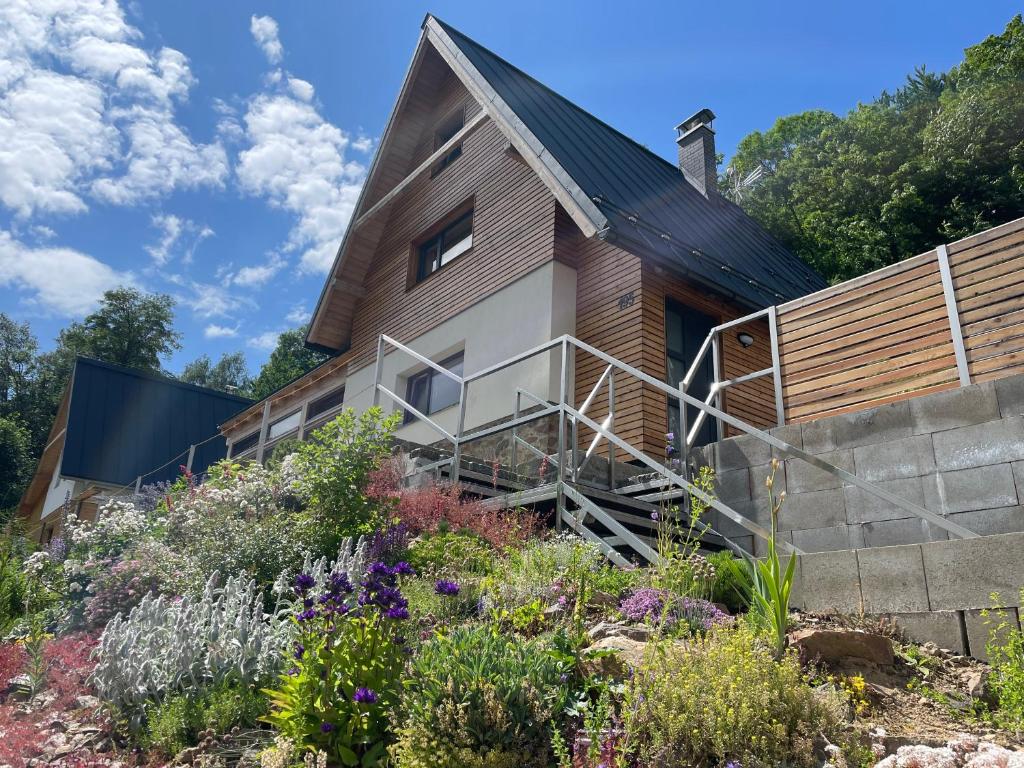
point(570, 419)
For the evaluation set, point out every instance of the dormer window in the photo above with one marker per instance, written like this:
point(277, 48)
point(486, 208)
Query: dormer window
point(455, 239)
point(448, 128)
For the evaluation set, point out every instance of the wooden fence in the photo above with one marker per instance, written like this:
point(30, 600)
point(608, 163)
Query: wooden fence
point(949, 317)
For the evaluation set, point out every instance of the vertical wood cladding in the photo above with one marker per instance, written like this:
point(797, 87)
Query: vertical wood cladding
point(513, 234)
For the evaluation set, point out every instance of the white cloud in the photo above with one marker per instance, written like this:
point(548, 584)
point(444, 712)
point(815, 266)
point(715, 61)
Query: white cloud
point(296, 159)
point(265, 341)
point(264, 30)
point(260, 274)
point(173, 229)
point(209, 301)
point(298, 314)
point(86, 110)
point(214, 331)
point(60, 280)
point(363, 144)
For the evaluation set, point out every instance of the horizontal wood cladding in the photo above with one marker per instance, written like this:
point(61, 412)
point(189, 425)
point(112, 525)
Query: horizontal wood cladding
point(885, 336)
point(513, 234)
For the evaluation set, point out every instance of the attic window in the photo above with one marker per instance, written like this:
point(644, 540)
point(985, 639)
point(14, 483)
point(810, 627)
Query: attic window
point(438, 250)
point(448, 128)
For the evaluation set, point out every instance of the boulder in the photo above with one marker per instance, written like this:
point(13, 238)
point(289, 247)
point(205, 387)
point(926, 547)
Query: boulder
point(835, 646)
point(616, 656)
point(616, 629)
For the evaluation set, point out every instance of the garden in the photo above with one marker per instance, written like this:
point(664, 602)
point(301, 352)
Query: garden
point(316, 612)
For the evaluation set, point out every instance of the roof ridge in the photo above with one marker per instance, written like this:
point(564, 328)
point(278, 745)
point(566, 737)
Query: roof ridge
point(452, 30)
point(160, 378)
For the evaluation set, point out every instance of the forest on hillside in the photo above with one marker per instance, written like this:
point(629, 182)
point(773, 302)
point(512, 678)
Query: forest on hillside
point(939, 159)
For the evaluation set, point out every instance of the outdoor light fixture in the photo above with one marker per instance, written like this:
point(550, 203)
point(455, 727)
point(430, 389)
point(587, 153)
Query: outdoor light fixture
point(745, 339)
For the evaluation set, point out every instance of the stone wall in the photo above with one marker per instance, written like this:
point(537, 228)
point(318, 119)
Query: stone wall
point(935, 591)
point(959, 453)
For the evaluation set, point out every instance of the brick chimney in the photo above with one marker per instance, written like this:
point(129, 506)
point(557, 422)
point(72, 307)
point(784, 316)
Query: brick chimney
point(696, 143)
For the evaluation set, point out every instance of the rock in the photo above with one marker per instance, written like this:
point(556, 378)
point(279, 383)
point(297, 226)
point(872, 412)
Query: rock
point(87, 702)
point(19, 685)
point(975, 682)
point(615, 629)
point(833, 646)
point(604, 600)
point(617, 655)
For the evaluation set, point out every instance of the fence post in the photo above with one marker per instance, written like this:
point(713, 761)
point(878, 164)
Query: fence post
point(191, 457)
point(563, 388)
point(261, 444)
point(611, 428)
point(457, 452)
point(942, 255)
point(773, 335)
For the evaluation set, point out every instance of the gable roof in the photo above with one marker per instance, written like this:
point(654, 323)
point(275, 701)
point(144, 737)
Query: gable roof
point(610, 186)
point(123, 423)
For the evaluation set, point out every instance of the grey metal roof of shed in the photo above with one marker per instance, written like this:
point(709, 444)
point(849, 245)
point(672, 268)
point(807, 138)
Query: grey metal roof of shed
point(123, 423)
point(649, 205)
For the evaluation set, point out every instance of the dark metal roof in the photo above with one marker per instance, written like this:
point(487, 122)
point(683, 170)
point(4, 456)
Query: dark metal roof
point(123, 423)
point(650, 207)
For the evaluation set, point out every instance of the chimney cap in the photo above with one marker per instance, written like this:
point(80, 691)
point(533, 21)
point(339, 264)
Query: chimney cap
point(699, 119)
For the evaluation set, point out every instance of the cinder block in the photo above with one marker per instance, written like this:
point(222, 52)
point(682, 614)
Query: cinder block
point(802, 476)
point(827, 539)
point(864, 507)
point(831, 583)
point(986, 626)
point(727, 527)
point(892, 579)
point(939, 627)
point(954, 408)
point(746, 543)
point(875, 425)
point(1010, 395)
point(758, 488)
point(1018, 478)
point(742, 452)
point(964, 573)
point(815, 509)
point(733, 485)
point(817, 435)
point(788, 433)
point(908, 530)
point(965, 490)
point(761, 545)
point(908, 457)
point(994, 442)
point(988, 522)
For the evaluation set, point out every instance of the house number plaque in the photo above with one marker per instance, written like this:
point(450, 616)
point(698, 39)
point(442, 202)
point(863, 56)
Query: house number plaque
point(627, 300)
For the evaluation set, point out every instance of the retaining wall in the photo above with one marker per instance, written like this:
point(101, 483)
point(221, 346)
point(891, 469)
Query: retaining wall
point(959, 453)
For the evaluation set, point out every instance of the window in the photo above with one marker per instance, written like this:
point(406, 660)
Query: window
point(283, 426)
point(431, 391)
point(244, 444)
point(325, 403)
point(452, 241)
point(448, 128)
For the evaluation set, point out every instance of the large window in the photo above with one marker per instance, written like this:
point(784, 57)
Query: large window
point(325, 403)
point(244, 444)
point(454, 240)
point(431, 391)
point(445, 131)
point(283, 426)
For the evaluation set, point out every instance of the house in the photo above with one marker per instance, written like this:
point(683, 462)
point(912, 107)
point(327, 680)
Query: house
point(118, 428)
point(498, 216)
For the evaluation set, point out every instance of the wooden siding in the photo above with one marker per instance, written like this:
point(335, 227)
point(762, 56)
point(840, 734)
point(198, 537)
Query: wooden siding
point(886, 336)
point(513, 234)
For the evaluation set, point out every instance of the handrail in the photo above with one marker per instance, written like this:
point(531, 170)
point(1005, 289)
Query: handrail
point(425, 360)
point(419, 415)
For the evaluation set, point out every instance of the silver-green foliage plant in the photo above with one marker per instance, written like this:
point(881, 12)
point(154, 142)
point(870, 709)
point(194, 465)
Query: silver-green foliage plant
point(352, 560)
point(165, 646)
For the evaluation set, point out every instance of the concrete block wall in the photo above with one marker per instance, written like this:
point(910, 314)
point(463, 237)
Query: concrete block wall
point(959, 453)
point(936, 591)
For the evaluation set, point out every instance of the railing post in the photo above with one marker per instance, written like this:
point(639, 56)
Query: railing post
point(261, 444)
point(515, 432)
point(682, 439)
point(716, 362)
point(773, 336)
point(942, 255)
point(191, 457)
point(563, 391)
point(457, 453)
point(138, 484)
point(303, 413)
point(611, 428)
point(378, 370)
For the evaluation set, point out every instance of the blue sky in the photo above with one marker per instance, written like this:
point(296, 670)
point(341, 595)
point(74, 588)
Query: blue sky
point(214, 151)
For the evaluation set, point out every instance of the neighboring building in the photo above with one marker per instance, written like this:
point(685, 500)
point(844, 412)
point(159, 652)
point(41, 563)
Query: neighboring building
point(118, 427)
point(497, 216)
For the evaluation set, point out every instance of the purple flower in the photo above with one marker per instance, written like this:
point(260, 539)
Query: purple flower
point(670, 436)
point(326, 727)
point(299, 650)
point(404, 569)
point(303, 583)
point(399, 612)
point(655, 516)
point(307, 615)
point(364, 696)
point(446, 588)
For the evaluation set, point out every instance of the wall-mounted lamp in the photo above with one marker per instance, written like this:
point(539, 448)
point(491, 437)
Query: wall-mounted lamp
point(745, 339)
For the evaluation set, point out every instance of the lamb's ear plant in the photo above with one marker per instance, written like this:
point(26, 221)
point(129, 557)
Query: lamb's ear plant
point(771, 585)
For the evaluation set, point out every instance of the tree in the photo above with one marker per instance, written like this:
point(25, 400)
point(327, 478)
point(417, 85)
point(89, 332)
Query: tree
point(289, 360)
point(15, 465)
point(229, 374)
point(17, 355)
point(939, 159)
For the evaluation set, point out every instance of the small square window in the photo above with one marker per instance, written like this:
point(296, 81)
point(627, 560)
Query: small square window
point(445, 131)
point(431, 391)
point(452, 241)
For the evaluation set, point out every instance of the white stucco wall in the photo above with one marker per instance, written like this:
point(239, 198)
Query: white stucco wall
point(534, 309)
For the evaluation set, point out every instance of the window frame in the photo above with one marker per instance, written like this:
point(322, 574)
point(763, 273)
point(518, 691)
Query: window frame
point(235, 453)
point(313, 418)
point(428, 374)
point(456, 152)
point(435, 234)
point(270, 427)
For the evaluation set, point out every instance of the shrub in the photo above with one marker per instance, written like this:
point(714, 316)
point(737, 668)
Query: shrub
point(346, 666)
point(480, 698)
point(13, 550)
point(661, 607)
point(732, 581)
point(724, 698)
point(177, 723)
point(118, 590)
point(1007, 677)
point(451, 553)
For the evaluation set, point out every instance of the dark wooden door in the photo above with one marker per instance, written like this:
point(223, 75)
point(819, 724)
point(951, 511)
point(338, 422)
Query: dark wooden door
point(685, 331)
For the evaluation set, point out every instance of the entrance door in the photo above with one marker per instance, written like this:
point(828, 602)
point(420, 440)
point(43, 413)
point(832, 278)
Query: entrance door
point(685, 331)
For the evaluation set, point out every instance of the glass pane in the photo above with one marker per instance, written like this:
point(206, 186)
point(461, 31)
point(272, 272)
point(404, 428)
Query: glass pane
point(417, 394)
point(245, 443)
point(327, 402)
point(443, 391)
point(428, 258)
point(673, 330)
point(283, 426)
point(457, 249)
point(452, 126)
point(676, 370)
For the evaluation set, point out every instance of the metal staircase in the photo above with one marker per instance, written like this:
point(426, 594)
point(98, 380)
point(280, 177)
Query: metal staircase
point(612, 507)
